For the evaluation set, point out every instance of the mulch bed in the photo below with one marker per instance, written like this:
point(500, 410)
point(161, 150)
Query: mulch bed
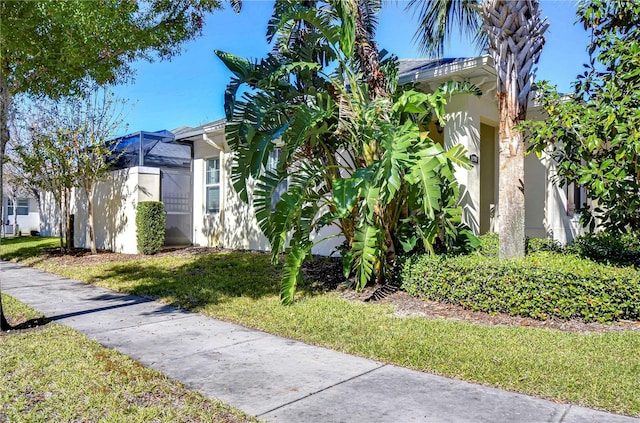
point(325, 274)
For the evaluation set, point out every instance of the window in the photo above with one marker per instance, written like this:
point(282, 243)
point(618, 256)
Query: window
point(22, 209)
point(212, 185)
point(576, 198)
point(272, 166)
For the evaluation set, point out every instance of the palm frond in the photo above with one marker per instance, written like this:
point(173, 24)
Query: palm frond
point(438, 20)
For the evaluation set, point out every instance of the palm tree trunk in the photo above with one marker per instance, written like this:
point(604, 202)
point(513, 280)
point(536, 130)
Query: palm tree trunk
point(515, 32)
point(511, 204)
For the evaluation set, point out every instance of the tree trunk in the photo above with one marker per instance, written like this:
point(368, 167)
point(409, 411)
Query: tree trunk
point(515, 32)
point(92, 237)
point(61, 220)
point(5, 104)
point(511, 206)
point(15, 215)
point(67, 217)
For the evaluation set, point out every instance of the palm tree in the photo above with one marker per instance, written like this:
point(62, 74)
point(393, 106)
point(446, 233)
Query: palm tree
point(512, 32)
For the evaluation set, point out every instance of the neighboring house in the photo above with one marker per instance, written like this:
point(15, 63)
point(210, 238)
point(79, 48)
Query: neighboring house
point(20, 213)
point(189, 169)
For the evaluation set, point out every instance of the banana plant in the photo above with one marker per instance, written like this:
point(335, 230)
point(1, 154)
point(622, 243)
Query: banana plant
point(353, 158)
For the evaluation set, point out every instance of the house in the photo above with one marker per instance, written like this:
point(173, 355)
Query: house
point(20, 213)
point(189, 170)
point(474, 121)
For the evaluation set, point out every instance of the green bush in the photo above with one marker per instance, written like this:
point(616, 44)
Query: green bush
point(489, 243)
point(150, 226)
point(604, 247)
point(543, 285)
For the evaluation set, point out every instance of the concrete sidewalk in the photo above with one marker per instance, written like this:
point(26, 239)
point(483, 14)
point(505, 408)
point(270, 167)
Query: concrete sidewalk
point(273, 378)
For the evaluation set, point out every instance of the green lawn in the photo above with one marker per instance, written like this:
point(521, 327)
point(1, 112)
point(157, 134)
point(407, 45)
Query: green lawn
point(600, 370)
point(55, 374)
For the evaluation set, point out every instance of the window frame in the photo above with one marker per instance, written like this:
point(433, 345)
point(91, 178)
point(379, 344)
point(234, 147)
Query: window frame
point(18, 207)
point(217, 184)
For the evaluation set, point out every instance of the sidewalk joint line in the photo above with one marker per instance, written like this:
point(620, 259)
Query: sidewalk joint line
point(321, 390)
point(564, 414)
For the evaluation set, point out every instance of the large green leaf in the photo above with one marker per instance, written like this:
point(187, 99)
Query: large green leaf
point(345, 195)
point(240, 67)
point(347, 14)
point(458, 155)
point(292, 274)
point(366, 251)
point(423, 176)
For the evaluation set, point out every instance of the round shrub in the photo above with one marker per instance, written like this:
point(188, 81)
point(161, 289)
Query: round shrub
point(150, 226)
point(543, 285)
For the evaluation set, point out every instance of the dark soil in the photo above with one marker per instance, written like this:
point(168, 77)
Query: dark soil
point(325, 274)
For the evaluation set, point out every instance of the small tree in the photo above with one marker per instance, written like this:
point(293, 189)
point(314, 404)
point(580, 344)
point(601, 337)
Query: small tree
point(98, 39)
point(593, 135)
point(95, 119)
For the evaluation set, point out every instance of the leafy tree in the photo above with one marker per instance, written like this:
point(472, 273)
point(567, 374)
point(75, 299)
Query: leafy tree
point(512, 31)
point(55, 48)
point(44, 152)
point(593, 135)
point(354, 157)
point(70, 139)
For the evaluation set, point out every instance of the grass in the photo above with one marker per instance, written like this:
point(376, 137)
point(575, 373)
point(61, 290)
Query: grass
point(56, 374)
point(599, 370)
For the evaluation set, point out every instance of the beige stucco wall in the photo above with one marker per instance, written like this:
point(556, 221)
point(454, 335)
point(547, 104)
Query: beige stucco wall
point(545, 202)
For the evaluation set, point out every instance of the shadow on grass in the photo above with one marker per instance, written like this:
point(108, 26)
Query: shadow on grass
point(23, 248)
point(31, 324)
point(198, 282)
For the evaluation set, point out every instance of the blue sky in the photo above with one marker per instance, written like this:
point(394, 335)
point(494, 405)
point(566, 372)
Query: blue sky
point(189, 89)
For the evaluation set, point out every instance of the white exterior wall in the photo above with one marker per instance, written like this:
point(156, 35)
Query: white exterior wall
point(235, 226)
point(464, 115)
point(26, 223)
point(49, 215)
point(115, 202)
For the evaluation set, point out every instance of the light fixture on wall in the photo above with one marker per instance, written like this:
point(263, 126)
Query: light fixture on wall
point(474, 158)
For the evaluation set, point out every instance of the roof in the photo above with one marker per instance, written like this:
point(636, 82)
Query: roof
point(185, 132)
point(414, 65)
point(440, 70)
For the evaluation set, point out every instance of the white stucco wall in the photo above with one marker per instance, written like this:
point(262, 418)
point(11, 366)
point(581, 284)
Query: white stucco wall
point(235, 226)
point(115, 201)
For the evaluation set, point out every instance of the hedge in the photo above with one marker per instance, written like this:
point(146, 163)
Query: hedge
point(150, 226)
point(613, 249)
point(543, 285)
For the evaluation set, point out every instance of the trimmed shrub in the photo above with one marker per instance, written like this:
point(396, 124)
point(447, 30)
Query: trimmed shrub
point(543, 285)
point(150, 226)
point(543, 244)
point(604, 247)
point(489, 243)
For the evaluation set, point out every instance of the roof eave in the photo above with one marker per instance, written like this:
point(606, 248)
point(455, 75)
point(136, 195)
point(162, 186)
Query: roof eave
point(482, 62)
